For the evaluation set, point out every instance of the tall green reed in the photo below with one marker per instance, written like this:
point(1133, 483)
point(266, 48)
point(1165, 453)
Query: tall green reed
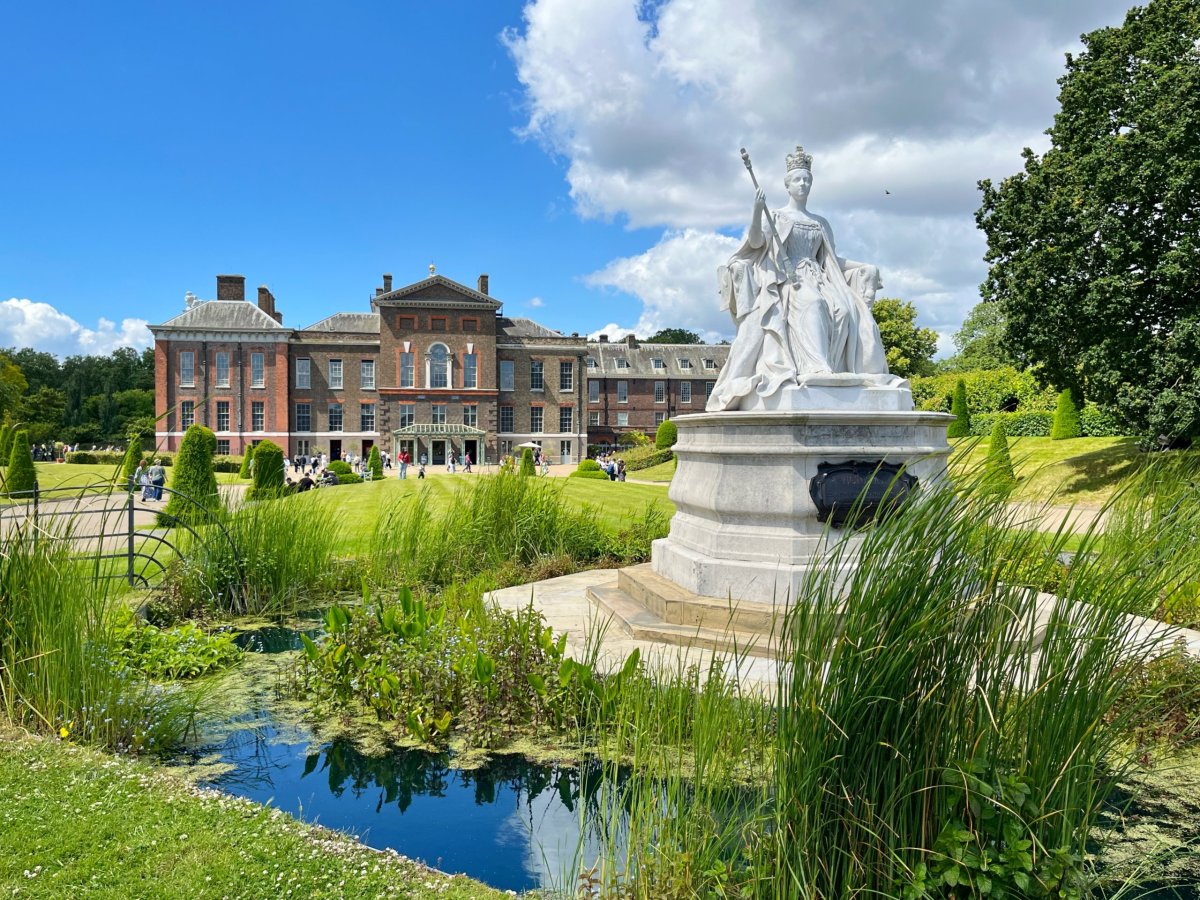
point(59, 666)
point(937, 727)
point(501, 523)
point(266, 557)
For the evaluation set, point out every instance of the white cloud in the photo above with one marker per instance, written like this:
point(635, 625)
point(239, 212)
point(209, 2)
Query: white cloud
point(905, 107)
point(676, 282)
point(25, 323)
point(537, 302)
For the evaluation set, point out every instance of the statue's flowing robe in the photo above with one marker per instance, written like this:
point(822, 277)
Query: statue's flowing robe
point(789, 329)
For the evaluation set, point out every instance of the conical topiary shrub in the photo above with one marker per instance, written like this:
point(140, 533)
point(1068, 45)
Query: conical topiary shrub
point(527, 467)
point(133, 456)
point(193, 485)
point(6, 442)
point(268, 471)
point(1066, 418)
point(998, 470)
point(375, 464)
point(961, 426)
point(247, 470)
point(666, 436)
point(21, 476)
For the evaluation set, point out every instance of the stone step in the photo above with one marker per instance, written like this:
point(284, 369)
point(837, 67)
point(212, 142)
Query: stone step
point(678, 606)
point(640, 623)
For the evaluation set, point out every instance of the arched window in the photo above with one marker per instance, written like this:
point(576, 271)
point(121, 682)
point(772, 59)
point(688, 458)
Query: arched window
point(439, 366)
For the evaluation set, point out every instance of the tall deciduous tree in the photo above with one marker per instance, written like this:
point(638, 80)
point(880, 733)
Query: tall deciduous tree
point(980, 341)
point(1095, 247)
point(673, 336)
point(909, 348)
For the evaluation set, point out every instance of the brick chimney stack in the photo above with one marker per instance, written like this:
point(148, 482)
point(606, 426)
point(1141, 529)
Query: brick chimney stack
point(631, 341)
point(266, 302)
point(604, 338)
point(483, 283)
point(387, 282)
point(231, 287)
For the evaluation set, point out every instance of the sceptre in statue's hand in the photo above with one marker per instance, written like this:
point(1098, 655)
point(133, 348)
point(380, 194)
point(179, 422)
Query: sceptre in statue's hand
point(760, 209)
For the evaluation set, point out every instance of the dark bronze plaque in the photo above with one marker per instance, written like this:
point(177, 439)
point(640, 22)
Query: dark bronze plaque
point(864, 491)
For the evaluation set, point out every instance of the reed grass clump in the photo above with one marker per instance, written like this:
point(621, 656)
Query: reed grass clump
point(502, 524)
point(939, 729)
point(268, 557)
point(60, 667)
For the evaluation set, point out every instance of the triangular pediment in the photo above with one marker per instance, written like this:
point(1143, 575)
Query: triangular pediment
point(437, 289)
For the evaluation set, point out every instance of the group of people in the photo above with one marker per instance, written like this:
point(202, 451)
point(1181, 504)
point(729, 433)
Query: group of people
point(613, 467)
point(150, 478)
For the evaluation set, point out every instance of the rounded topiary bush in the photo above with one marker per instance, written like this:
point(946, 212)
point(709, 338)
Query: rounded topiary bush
point(589, 468)
point(961, 426)
point(527, 467)
point(247, 469)
point(1066, 418)
point(349, 478)
point(194, 494)
point(340, 467)
point(268, 471)
point(375, 463)
point(666, 436)
point(21, 475)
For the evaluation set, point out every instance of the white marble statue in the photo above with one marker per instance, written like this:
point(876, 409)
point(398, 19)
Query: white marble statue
point(803, 314)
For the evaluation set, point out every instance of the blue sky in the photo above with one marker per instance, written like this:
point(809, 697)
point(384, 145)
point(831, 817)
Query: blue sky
point(582, 152)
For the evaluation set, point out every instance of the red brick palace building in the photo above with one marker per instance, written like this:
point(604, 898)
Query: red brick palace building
point(434, 366)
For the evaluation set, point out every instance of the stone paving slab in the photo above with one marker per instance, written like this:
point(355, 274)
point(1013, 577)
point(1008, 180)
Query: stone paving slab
point(564, 604)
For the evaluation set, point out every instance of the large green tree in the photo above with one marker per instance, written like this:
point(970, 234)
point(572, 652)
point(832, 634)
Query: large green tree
point(980, 342)
point(1095, 247)
point(909, 348)
point(673, 336)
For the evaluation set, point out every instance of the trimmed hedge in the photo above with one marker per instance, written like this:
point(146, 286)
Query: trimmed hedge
point(988, 391)
point(1066, 418)
point(21, 475)
point(527, 467)
point(375, 463)
point(246, 470)
point(340, 467)
point(349, 478)
point(97, 457)
point(268, 471)
point(194, 488)
point(1018, 424)
point(961, 410)
point(645, 457)
point(666, 436)
point(1095, 421)
point(589, 468)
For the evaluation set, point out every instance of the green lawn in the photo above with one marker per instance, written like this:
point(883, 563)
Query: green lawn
point(1081, 471)
point(359, 505)
point(51, 475)
point(75, 823)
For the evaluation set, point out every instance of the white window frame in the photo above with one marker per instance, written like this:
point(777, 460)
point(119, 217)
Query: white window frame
point(187, 368)
point(658, 363)
point(684, 362)
point(622, 420)
point(366, 375)
point(304, 426)
point(566, 375)
point(470, 377)
point(341, 421)
point(222, 367)
point(407, 414)
point(222, 414)
point(366, 417)
point(537, 420)
point(593, 390)
point(566, 419)
point(433, 358)
point(660, 392)
point(408, 369)
point(471, 414)
point(258, 415)
point(258, 369)
point(622, 391)
point(685, 392)
point(304, 373)
point(594, 419)
point(187, 414)
point(437, 414)
point(336, 375)
point(508, 375)
point(537, 375)
point(500, 419)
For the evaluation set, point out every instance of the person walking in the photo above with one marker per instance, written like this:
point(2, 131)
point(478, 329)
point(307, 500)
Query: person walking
point(402, 463)
point(158, 478)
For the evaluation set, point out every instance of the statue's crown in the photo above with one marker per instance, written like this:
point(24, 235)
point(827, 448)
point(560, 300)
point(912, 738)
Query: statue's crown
point(799, 159)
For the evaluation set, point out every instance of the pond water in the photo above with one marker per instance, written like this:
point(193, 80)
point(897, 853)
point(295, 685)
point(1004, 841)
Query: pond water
point(516, 825)
point(511, 824)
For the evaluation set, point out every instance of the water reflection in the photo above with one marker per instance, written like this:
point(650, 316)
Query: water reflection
point(512, 824)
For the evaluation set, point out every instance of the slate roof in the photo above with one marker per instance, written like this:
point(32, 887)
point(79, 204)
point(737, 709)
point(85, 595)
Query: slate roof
point(352, 323)
point(641, 360)
point(223, 315)
point(525, 328)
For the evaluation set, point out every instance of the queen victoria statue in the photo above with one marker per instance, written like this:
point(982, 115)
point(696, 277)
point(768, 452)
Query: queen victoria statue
point(803, 314)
